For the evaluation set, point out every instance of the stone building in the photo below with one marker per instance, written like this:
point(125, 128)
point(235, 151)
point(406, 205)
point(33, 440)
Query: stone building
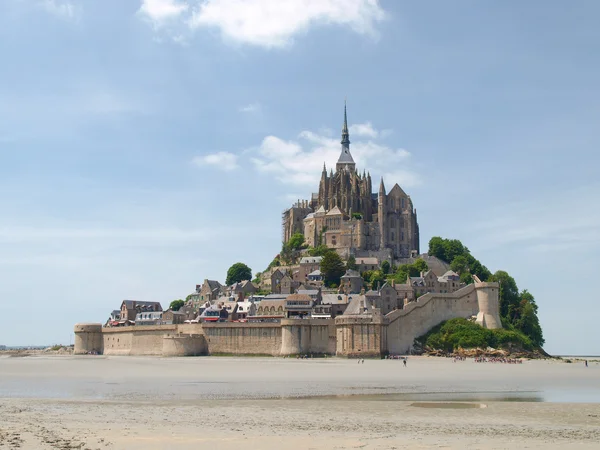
point(131, 308)
point(346, 215)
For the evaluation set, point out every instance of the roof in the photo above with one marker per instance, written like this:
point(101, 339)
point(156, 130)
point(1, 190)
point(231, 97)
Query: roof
point(417, 281)
point(308, 291)
point(354, 305)
point(311, 260)
point(335, 212)
point(351, 274)
point(274, 297)
point(345, 156)
point(315, 273)
point(369, 260)
point(295, 297)
point(213, 284)
point(449, 275)
point(337, 299)
point(130, 304)
point(321, 210)
point(371, 293)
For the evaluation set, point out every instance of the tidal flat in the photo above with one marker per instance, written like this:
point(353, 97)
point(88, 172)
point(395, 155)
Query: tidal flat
point(99, 402)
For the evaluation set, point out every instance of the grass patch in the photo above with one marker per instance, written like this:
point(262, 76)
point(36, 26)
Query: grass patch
point(461, 333)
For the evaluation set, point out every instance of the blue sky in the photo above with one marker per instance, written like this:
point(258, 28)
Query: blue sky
point(147, 145)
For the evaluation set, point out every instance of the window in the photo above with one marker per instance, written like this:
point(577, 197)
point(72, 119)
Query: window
point(393, 236)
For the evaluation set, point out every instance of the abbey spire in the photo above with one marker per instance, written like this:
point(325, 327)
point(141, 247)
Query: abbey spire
point(345, 161)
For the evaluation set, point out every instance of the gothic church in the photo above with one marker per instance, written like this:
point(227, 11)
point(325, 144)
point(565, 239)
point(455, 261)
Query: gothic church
point(347, 216)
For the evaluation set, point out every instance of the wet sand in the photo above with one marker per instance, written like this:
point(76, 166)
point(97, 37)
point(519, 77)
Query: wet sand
point(227, 403)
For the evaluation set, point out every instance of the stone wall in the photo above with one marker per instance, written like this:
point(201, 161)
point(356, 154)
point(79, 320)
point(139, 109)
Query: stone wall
point(243, 338)
point(361, 335)
point(431, 309)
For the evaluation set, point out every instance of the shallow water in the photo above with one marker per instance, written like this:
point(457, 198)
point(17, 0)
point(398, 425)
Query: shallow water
point(147, 379)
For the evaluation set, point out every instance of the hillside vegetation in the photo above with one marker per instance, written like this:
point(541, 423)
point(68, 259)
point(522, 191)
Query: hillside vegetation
point(518, 309)
point(455, 334)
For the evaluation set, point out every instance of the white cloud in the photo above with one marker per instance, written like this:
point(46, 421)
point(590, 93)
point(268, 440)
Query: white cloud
point(61, 9)
point(221, 160)
point(251, 108)
point(300, 162)
point(159, 12)
point(364, 129)
point(264, 23)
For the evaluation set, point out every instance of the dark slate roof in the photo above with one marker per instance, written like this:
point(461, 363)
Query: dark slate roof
point(345, 156)
point(129, 304)
point(351, 274)
point(213, 284)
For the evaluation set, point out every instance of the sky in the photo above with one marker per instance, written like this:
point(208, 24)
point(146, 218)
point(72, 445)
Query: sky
point(148, 145)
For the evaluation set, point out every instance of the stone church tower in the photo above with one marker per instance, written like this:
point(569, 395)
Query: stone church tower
point(347, 216)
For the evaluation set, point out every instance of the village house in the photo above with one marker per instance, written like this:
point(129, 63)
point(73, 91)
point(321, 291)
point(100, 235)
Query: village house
point(298, 306)
point(273, 308)
point(367, 263)
point(308, 264)
point(210, 290)
point(385, 299)
point(429, 282)
point(241, 290)
point(351, 282)
point(245, 308)
point(170, 317)
point(130, 308)
point(148, 318)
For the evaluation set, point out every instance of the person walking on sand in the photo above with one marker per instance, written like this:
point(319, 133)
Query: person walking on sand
point(586, 363)
point(404, 362)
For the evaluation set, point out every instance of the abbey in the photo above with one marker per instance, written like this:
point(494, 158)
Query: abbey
point(346, 215)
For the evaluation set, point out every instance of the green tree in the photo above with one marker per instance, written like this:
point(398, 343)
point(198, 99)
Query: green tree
point(385, 267)
point(419, 266)
point(332, 268)
point(238, 272)
point(256, 279)
point(460, 264)
point(436, 248)
point(319, 250)
point(296, 242)
point(377, 278)
point(351, 263)
point(509, 294)
point(176, 305)
point(529, 324)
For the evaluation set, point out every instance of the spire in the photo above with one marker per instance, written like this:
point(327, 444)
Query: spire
point(324, 168)
point(345, 135)
point(381, 187)
point(345, 161)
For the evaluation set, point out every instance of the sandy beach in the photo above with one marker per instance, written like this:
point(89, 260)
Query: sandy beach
point(225, 403)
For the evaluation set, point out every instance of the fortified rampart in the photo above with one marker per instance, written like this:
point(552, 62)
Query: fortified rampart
point(367, 334)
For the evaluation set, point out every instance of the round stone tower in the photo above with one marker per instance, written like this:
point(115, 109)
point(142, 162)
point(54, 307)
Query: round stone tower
point(489, 304)
point(88, 338)
point(295, 337)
